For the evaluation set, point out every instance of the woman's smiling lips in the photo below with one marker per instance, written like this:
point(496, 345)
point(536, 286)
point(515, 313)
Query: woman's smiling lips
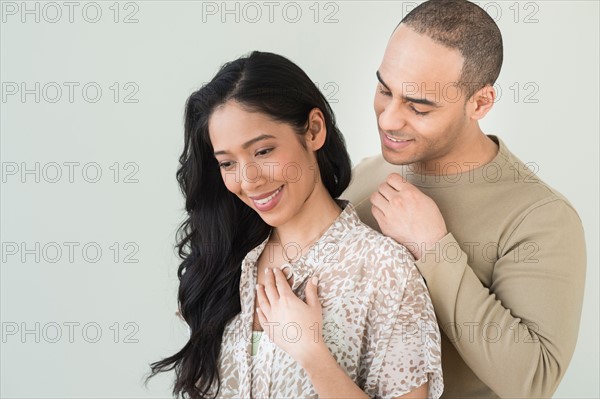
point(266, 202)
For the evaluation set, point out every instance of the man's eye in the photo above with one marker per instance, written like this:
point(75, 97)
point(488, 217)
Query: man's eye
point(417, 111)
point(385, 92)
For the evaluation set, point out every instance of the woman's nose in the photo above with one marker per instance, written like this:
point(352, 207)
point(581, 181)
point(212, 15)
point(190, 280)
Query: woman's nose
point(252, 177)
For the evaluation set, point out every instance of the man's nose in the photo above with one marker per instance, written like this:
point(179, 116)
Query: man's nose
point(392, 118)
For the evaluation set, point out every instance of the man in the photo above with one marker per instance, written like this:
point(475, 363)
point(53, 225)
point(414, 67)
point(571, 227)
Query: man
point(502, 253)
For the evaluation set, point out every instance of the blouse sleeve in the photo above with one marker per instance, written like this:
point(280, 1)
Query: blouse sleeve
point(409, 354)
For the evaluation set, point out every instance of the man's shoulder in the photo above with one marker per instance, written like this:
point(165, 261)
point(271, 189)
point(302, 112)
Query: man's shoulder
point(374, 164)
point(366, 176)
point(523, 184)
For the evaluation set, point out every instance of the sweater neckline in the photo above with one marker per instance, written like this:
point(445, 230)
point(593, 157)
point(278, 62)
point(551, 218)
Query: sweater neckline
point(488, 172)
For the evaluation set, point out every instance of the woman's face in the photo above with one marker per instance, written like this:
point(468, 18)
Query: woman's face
point(263, 162)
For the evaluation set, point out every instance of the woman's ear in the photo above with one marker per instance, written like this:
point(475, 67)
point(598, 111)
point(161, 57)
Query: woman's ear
point(317, 131)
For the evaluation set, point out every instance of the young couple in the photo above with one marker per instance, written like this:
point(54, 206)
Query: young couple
point(288, 294)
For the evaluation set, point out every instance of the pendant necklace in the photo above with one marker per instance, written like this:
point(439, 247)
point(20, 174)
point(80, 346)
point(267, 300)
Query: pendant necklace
point(289, 263)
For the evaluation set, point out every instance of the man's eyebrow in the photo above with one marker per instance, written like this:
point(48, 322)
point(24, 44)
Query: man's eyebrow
point(381, 80)
point(423, 101)
point(249, 143)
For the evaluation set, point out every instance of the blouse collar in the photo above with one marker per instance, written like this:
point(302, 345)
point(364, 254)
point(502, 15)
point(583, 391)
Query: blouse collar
point(320, 250)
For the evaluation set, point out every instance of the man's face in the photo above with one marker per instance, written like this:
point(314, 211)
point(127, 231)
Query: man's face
point(420, 109)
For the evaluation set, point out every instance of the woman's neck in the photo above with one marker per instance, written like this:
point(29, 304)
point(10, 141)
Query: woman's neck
point(317, 213)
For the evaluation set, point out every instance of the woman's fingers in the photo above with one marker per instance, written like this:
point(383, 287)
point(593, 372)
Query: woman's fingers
point(270, 288)
point(262, 319)
point(263, 300)
point(281, 283)
point(312, 298)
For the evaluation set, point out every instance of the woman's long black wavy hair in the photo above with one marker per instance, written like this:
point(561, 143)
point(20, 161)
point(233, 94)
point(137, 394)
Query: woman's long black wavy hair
point(220, 229)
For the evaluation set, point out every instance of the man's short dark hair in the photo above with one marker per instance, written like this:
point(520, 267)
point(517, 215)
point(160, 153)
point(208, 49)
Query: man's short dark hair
point(466, 27)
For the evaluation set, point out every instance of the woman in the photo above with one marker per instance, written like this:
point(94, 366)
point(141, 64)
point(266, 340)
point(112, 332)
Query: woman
point(261, 170)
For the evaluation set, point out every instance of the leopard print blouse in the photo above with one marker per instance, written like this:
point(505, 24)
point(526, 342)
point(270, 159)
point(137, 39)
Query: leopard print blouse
point(378, 320)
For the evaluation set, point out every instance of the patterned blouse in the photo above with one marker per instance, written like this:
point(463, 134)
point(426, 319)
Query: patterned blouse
point(378, 320)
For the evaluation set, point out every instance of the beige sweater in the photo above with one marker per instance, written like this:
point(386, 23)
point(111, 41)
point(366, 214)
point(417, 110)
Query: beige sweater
point(507, 280)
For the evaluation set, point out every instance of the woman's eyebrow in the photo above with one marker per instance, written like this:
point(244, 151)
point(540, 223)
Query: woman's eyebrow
point(248, 143)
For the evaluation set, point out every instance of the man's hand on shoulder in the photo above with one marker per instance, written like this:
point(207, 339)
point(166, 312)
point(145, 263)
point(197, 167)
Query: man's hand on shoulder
point(407, 215)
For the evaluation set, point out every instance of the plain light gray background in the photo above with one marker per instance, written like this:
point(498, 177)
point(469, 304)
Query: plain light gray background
point(85, 323)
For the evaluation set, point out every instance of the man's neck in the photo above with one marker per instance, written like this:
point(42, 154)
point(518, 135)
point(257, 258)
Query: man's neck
point(479, 150)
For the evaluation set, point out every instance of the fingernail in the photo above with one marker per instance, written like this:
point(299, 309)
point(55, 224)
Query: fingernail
point(266, 270)
point(314, 280)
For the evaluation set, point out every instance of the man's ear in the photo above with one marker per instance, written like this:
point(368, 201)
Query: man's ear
point(481, 102)
point(317, 131)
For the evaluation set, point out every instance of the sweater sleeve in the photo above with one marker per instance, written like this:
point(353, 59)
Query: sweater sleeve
point(518, 335)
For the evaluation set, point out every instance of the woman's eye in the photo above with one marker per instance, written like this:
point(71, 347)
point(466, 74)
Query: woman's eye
point(264, 152)
point(225, 165)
